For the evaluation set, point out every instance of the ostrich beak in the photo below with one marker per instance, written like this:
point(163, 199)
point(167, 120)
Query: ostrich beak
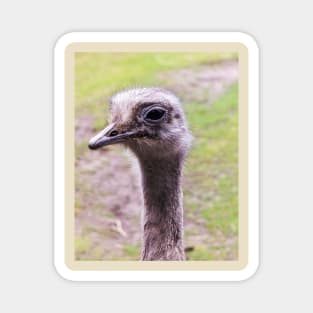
point(109, 136)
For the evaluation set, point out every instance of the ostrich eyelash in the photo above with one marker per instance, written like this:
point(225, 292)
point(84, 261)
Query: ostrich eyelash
point(154, 114)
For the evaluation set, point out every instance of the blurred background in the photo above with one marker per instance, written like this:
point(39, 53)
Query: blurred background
point(107, 192)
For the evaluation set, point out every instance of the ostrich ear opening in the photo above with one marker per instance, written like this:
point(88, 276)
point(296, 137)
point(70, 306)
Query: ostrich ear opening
point(109, 136)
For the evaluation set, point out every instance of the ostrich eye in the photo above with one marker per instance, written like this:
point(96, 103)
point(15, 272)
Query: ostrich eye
point(154, 115)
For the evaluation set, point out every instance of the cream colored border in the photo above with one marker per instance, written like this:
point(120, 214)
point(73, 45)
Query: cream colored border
point(70, 153)
point(69, 50)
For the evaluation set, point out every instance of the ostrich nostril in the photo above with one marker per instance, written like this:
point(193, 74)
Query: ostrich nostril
point(113, 133)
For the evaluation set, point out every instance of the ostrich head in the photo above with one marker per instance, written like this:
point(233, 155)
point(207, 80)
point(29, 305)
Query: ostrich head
point(150, 121)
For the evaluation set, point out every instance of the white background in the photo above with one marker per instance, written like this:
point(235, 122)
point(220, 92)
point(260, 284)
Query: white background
point(28, 32)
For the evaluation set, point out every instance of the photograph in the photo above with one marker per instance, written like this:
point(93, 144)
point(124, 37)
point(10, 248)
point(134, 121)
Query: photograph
point(156, 156)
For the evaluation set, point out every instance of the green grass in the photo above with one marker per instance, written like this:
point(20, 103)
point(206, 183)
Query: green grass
point(211, 172)
point(98, 75)
point(212, 164)
point(202, 253)
point(82, 245)
point(132, 251)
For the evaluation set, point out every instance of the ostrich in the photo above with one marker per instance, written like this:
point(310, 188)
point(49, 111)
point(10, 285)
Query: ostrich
point(151, 123)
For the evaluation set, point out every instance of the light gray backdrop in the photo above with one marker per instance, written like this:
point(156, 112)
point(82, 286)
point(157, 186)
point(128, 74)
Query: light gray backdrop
point(29, 30)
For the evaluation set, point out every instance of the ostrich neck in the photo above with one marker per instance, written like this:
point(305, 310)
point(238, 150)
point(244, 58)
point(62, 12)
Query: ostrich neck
point(163, 213)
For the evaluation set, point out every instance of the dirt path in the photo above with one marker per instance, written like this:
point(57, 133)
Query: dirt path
point(107, 190)
point(108, 196)
point(203, 83)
